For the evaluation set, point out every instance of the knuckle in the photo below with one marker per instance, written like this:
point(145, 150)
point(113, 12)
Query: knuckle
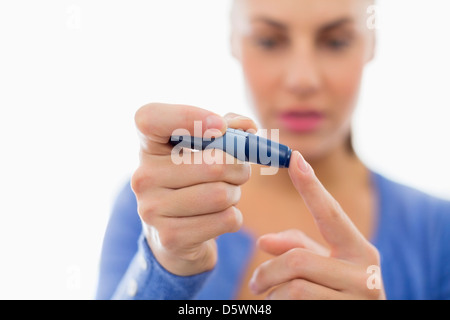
point(231, 115)
point(260, 275)
point(244, 171)
point(148, 121)
point(193, 255)
point(296, 260)
point(140, 179)
point(373, 254)
point(142, 115)
point(229, 221)
point(168, 240)
point(216, 171)
point(220, 195)
point(296, 233)
point(336, 209)
point(236, 194)
point(233, 219)
point(296, 289)
point(148, 210)
point(138, 118)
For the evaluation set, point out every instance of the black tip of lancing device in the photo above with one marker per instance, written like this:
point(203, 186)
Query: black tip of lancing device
point(241, 145)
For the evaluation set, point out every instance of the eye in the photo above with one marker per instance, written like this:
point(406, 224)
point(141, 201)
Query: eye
point(268, 43)
point(337, 44)
point(336, 41)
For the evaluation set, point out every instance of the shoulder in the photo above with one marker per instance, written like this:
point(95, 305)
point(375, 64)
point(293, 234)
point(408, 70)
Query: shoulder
point(413, 237)
point(411, 222)
point(401, 199)
point(410, 216)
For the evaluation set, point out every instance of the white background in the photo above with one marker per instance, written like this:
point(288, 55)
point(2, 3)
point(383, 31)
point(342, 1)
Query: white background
point(73, 73)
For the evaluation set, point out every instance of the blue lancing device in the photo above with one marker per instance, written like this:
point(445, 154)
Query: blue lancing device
point(241, 145)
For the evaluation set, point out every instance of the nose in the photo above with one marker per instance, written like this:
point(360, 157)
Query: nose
point(302, 74)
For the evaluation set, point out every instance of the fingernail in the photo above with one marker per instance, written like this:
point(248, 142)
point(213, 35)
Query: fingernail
point(239, 217)
point(302, 164)
point(242, 118)
point(215, 122)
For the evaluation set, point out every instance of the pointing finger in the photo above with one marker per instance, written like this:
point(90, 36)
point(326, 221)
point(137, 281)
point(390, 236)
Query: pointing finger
point(338, 230)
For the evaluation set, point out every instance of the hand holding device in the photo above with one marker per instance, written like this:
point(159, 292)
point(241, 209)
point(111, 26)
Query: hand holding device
point(185, 207)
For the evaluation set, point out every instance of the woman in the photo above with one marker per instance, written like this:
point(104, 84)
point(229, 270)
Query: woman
point(326, 228)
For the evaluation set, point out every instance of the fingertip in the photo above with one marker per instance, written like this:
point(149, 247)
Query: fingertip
point(239, 217)
point(216, 126)
point(292, 170)
point(293, 165)
point(300, 163)
point(216, 122)
point(252, 130)
point(230, 115)
point(268, 243)
point(241, 123)
point(261, 241)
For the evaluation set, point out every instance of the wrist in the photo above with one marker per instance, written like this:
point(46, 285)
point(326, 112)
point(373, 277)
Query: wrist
point(186, 261)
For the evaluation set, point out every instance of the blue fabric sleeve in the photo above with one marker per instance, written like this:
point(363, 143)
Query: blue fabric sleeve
point(146, 279)
point(128, 269)
point(119, 243)
point(443, 281)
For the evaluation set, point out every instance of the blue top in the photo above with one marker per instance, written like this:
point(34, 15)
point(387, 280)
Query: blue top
point(412, 236)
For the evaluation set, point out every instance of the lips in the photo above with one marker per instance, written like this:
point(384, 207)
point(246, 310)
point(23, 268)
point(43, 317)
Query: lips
point(301, 121)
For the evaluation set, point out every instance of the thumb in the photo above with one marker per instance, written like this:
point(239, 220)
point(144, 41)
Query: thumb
point(156, 122)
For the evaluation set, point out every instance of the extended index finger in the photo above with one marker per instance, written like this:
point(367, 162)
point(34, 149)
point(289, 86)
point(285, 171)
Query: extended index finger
point(156, 122)
point(338, 230)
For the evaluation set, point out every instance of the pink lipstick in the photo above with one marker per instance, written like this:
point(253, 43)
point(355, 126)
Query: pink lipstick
point(301, 121)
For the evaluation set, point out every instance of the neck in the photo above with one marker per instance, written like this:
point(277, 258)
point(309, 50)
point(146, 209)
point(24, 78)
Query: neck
point(338, 169)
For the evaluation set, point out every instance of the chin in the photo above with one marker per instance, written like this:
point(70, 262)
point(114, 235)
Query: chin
point(311, 146)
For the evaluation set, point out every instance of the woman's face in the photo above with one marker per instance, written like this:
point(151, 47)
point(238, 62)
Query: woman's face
point(303, 61)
